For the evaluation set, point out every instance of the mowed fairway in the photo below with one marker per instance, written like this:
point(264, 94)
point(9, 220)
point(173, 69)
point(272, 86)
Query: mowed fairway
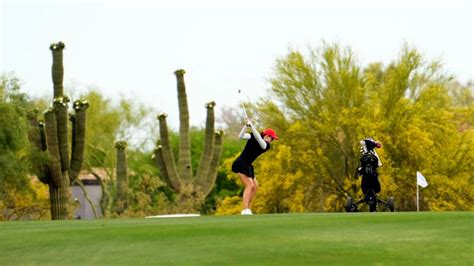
point(427, 238)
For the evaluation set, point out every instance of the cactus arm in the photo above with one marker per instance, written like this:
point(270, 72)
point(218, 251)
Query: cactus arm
point(206, 154)
point(72, 118)
point(208, 183)
point(45, 166)
point(44, 147)
point(53, 147)
point(168, 157)
point(184, 162)
point(160, 163)
point(36, 138)
point(60, 107)
point(57, 69)
point(79, 137)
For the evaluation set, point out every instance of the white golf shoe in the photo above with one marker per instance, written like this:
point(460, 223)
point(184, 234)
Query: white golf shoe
point(246, 212)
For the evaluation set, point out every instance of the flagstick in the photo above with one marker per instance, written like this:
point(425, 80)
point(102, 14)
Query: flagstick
point(417, 198)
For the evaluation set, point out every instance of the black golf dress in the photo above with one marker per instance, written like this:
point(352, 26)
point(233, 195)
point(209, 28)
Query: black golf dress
point(243, 164)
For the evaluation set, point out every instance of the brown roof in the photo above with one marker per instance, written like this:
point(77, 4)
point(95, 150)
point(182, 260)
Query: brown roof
point(101, 172)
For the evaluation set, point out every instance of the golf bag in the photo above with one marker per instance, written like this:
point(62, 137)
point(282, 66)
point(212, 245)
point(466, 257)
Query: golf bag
point(370, 185)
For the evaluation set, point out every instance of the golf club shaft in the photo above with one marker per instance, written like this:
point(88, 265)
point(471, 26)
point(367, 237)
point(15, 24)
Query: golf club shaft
point(243, 107)
point(245, 112)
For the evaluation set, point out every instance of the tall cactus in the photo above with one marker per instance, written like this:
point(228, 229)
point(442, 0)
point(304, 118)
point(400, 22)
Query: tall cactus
point(122, 177)
point(180, 176)
point(51, 137)
point(184, 162)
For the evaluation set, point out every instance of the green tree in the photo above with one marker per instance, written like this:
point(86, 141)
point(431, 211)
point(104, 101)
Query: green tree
point(13, 133)
point(20, 196)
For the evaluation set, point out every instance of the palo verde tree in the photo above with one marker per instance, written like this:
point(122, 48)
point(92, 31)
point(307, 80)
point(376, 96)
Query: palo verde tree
point(179, 176)
point(326, 103)
point(51, 137)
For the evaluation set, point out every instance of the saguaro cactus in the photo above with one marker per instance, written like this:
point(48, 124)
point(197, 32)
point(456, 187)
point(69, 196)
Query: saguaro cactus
point(122, 177)
point(184, 161)
point(181, 176)
point(51, 137)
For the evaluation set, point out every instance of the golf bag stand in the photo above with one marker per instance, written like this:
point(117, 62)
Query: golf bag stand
point(369, 162)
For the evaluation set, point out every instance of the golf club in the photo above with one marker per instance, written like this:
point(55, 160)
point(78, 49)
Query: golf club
point(243, 107)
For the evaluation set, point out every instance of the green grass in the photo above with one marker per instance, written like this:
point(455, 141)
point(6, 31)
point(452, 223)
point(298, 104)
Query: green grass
point(427, 238)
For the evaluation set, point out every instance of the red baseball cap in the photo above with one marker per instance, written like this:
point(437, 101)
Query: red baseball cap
point(270, 132)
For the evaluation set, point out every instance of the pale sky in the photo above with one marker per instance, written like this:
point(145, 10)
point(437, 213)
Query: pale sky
point(133, 47)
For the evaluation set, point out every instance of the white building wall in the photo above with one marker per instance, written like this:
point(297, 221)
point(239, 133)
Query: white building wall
point(83, 209)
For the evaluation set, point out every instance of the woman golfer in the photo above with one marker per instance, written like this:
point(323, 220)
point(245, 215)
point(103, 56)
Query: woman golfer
point(257, 143)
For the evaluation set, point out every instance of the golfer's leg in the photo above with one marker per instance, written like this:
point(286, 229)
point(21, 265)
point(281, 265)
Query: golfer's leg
point(247, 191)
point(254, 190)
